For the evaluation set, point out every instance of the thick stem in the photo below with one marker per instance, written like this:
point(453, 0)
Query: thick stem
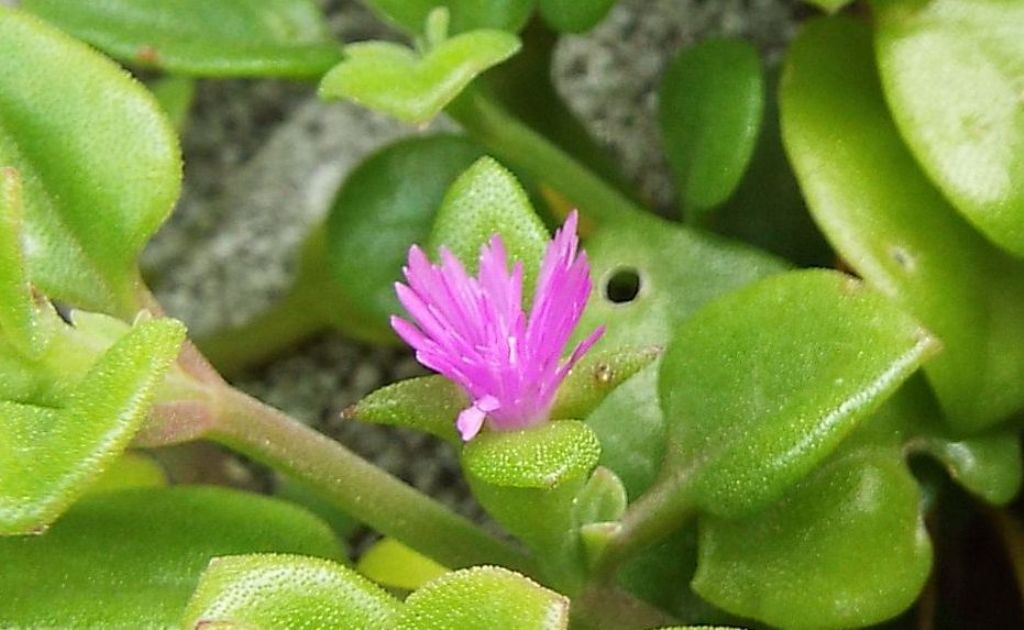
point(357, 487)
point(512, 140)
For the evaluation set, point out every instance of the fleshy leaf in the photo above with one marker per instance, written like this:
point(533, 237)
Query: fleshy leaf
point(952, 71)
point(844, 548)
point(574, 16)
point(280, 591)
point(484, 201)
point(286, 38)
point(540, 457)
point(373, 222)
point(831, 6)
point(508, 15)
point(484, 597)
point(895, 229)
point(131, 559)
point(396, 80)
point(427, 403)
point(175, 94)
point(17, 306)
point(760, 386)
point(51, 456)
point(131, 470)
point(602, 499)
point(391, 563)
point(987, 465)
point(100, 165)
point(711, 103)
point(596, 376)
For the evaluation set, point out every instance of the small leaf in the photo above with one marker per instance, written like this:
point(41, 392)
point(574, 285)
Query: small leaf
point(373, 221)
point(952, 72)
point(131, 470)
point(574, 16)
point(602, 499)
point(761, 385)
point(17, 307)
point(131, 559)
point(49, 457)
point(484, 201)
point(710, 107)
point(987, 465)
point(844, 548)
point(895, 229)
point(100, 165)
point(541, 457)
point(484, 597)
point(508, 15)
point(279, 591)
point(394, 79)
point(595, 376)
point(427, 403)
point(287, 38)
point(391, 563)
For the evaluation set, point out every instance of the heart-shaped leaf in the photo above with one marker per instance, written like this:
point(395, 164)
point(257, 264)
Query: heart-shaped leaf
point(100, 165)
point(428, 403)
point(484, 597)
point(396, 80)
point(761, 385)
point(280, 591)
point(466, 15)
point(895, 229)
point(574, 16)
point(710, 107)
point(374, 221)
point(287, 38)
point(132, 559)
point(952, 72)
point(49, 456)
point(391, 563)
point(844, 548)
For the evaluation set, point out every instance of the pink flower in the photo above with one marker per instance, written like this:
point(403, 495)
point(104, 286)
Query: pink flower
point(474, 330)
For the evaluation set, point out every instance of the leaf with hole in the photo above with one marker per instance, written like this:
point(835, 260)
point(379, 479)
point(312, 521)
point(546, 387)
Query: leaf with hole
point(285, 591)
point(761, 385)
point(132, 559)
point(710, 107)
point(241, 38)
point(952, 71)
point(100, 165)
point(895, 229)
point(414, 88)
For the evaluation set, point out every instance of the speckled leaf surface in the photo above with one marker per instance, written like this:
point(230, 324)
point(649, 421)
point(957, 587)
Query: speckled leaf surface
point(596, 376)
point(17, 307)
point(760, 386)
point(427, 403)
point(953, 71)
point(282, 592)
point(99, 163)
point(891, 225)
point(133, 558)
point(541, 457)
point(287, 38)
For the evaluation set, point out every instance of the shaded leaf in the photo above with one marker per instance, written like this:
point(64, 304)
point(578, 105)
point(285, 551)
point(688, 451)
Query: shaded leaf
point(509, 15)
point(391, 563)
point(596, 376)
point(574, 16)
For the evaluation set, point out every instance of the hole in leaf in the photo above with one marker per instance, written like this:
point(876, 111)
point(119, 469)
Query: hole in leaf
point(623, 286)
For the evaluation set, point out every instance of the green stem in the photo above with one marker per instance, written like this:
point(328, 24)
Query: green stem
point(510, 139)
point(355, 486)
point(611, 608)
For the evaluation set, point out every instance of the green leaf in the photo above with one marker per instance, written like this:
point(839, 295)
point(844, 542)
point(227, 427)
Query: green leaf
point(49, 457)
point(952, 71)
point(484, 597)
point(844, 548)
point(596, 376)
point(987, 465)
point(896, 230)
point(391, 563)
point(287, 38)
point(711, 104)
point(278, 591)
point(508, 15)
point(540, 457)
point(831, 6)
point(131, 470)
point(131, 559)
point(100, 165)
point(175, 94)
point(427, 403)
point(396, 80)
point(602, 499)
point(17, 306)
point(761, 385)
point(484, 201)
point(388, 203)
point(574, 16)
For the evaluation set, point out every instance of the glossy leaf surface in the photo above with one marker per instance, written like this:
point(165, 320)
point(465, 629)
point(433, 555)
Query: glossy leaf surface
point(396, 80)
point(952, 71)
point(710, 106)
point(891, 225)
point(133, 558)
point(286, 38)
point(99, 163)
point(388, 203)
point(760, 386)
point(50, 456)
point(272, 591)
